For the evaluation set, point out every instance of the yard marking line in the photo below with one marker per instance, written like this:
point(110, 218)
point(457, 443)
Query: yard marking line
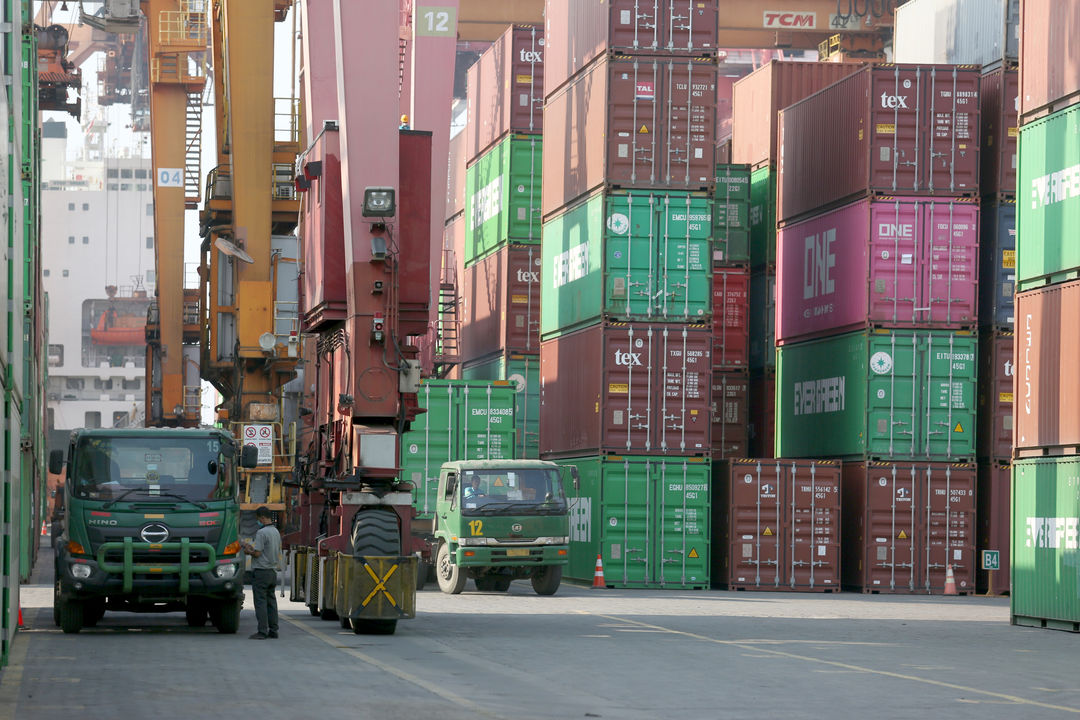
point(11, 677)
point(846, 666)
point(385, 667)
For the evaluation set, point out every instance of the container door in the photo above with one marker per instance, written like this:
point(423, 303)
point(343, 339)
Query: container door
point(523, 373)
point(950, 263)
point(627, 523)
point(689, 25)
point(522, 323)
point(731, 215)
point(730, 415)
point(812, 535)
point(755, 526)
point(487, 415)
point(892, 396)
point(891, 527)
point(896, 163)
point(429, 443)
point(626, 392)
point(684, 290)
point(631, 239)
point(681, 524)
point(585, 519)
point(950, 133)
point(948, 496)
point(896, 259)
point(949, 367)
point(731, 318)
point(690, 123)
point(522, 189)
point(683, 375)
point(634, 119)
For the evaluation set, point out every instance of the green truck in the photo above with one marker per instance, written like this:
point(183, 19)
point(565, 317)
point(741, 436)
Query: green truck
point(150, 525)
point(497, 521)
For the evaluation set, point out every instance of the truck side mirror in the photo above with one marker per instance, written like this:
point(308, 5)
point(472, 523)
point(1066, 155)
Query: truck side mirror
point(249, 457)
point(575, 477)
point(56, 462)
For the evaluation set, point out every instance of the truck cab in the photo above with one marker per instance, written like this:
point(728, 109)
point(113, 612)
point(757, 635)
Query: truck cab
point(150, 525)
point(501, 520)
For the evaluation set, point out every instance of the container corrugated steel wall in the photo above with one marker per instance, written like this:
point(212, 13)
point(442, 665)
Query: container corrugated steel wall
point(731, 215)
point(763, 414)
point(995, 520)
point(1049, 64)
point(730, 414)
point(997, 263)
point(731, 318)
point(1000, 105)
point(502, 202)
point(1045, 538)
point(884, 394)
point(763, 319)
point(501, 303)
point(763, 218)
point(996, 376)
point(455, 176)
point(522, 372)
point(1048, 211)
point(647, 517)
point(957, 32)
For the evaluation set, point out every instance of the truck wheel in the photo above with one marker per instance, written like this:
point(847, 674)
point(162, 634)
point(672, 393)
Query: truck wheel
point(314, 610)
point(375, 532)
point(56, 603)
point(196, 614)
point(71, 616)
point(328, 614)
point(93, 611)
point(345, 624)
point(451, 578)
point(228, 617)
point(546, 579)
point(374, 627)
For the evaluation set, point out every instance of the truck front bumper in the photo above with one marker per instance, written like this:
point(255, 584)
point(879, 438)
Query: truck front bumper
point(510, 556)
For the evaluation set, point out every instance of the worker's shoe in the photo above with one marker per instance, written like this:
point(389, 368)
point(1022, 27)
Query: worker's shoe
point(272, 635)
point(257, 636)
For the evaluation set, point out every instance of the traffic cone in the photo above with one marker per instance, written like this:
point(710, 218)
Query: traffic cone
point(44, 529)
point(598, 576)
point(20, 616)
point(950, 581)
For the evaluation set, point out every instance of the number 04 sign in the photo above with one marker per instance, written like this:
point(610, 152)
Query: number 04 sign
point(170, 177)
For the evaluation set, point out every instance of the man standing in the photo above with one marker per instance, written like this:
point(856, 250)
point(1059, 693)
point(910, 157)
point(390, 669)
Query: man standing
point(266, 553)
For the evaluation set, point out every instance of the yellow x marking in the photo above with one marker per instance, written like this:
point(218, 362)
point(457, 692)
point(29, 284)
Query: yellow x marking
point(380, 584)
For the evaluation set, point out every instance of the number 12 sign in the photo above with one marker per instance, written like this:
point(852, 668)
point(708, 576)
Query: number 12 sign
point(434, 21)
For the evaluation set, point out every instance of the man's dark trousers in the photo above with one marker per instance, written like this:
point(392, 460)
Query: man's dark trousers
point(262, 585)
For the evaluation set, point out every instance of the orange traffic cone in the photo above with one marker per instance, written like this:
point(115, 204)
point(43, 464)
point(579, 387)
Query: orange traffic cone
point(598, 576)
point(950, 581)
point(44, 529)
point(20, 616)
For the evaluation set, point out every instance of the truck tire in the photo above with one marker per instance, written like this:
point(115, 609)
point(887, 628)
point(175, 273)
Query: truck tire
point(93, 611)
point(451, 578)
point(345, 624)
point(71, 616)
point(227, 617)
point(546, 579)
point(56, 603)
point(374, 627)
point(376, 533)
point(196, 614)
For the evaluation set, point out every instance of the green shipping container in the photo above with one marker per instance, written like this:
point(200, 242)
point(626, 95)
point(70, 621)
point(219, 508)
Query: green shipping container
point(522, 372)
point(648, 519)
point(464, 421)
point(1045, 559)
point(635, 255)
point(887, 394)
point(763, 217)
point(731, 214)
point(1048, 211)
point(502, 197)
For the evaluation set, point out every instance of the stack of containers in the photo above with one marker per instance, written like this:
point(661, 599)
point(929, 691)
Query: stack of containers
point(1046, 494)
point(500, 284)
point(877, 267)
point(626, 329)
point(984, 34)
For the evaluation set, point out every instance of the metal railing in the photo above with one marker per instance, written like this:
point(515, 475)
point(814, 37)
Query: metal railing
point(186, 26)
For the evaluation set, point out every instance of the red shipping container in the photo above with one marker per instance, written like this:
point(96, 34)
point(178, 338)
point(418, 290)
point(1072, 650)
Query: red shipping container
point(322, 238)
point(759, 96)
point(776, 525)
point(501, 304)
point(1049, 63)
point(892, 130)
point(731, 318)
point(506, 90)
point(905, 523)
point(995, 522)
point(763, 415)
point(995, 416)
point(455, 176)
point(1047, 403)
point(630, 122)
point(626, 388)
point(730, 415)
point(580, 31)
point(413, 276)
point(898, 263)
point(1000, 106)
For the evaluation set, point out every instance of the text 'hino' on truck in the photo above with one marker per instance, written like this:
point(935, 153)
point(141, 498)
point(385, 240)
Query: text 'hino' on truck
point(502, 520)
point(151, 525)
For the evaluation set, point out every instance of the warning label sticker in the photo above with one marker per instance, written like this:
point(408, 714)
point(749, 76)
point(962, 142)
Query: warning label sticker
point(618, 389)
point(959, 428)
point(1005, 397)
point(886, 129)
point(693, 553)
point(1008, 259)
point(902, 535)
point(768, 532)
point(643, 130)
point(1014, 132)
point(524, 79)
point(519, 299)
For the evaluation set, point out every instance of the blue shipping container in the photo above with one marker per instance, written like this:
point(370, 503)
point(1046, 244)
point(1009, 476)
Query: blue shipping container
point(997, 263)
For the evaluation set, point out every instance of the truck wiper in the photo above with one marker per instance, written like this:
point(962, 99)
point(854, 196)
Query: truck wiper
point(196, 503)
point(120, 497)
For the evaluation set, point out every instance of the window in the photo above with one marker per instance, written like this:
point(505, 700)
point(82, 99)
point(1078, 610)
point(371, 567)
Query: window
point(56, 355)
point(45, 273)
point(112, 172)
point(125, 173)
point(106, 384)
point(93, 419)
point(120, 419)
point(85, 206)
point(150, 209)
point(51, 419)
point(71, 239)
point(71, 206)
point(114, 186)
point(65, 273)
point(74, 383)
point(124, 187)
point(149, 276)
point(141, 174)
point(149, 243)
point(133, 384)
point(85, 240)
point(141, 187)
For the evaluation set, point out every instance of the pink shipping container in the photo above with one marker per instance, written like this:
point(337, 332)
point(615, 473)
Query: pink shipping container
point(895, 263)
point(995, 416)
point(580, 31)
point(626, 388)
point(501, 303)
point(455, 176)
point(995, 522)
point(887, 129)
point(730, 415)
point(1000, 105)
point(759, 96)
point(1049, 62)
point(323, 277)
point(630, 122)
point(731, 318)
point(506, 90)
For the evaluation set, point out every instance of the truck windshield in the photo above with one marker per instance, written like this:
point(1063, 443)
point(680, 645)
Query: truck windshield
point(513, 492)
point(137, 468)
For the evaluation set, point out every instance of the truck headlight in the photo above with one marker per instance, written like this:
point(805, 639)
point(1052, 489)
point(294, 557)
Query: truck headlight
point(557, 540)
point(225, 571)
point(472, 542)
point(80, 571)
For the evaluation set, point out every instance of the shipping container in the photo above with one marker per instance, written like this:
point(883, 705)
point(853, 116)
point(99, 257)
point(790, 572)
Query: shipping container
point(763, 218)
point(901, 262)
point(887, 129)
point(627, 256)
point(731, 214)
point(730, 415)
point(501, 304)
point(1000, 106)
point(455, 176)
point(580, 32)
point(731, 318)
point(997, 263)
point(1047, 345)
point(759, 96)
point(1048, 215)
point(995, 522)
point(502, 197)
point(995, 432)
point(1049, 65)
point(905, 524)
point(912, 396)
point(626, 388)
point(646, 517)
point(522, 372)
point(763, 414)
point(630, 123)
point(763, 319)
point(463, 421)
point(776, 525)
point(506, 90)
point(323, 241)
point(957, 32)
